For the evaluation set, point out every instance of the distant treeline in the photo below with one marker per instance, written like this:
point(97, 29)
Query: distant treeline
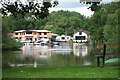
point(60, 22)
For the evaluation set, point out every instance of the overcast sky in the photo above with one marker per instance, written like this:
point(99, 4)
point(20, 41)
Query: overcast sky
point(75, 5)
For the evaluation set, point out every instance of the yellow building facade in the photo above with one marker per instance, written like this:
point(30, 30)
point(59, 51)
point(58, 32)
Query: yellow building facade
point(32, 35)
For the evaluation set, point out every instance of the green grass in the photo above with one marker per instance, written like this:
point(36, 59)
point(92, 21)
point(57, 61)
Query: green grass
point(62, 72)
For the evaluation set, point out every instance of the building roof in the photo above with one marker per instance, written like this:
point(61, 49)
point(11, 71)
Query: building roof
point(40, 30)
point(85, 31)
point(55, 34)
point(20, 31)
point(32, 30)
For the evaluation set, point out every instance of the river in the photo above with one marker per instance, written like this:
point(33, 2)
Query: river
point(37, 55)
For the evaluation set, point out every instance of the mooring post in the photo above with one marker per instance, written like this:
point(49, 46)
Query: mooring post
point(104, 53)
point(98, 61)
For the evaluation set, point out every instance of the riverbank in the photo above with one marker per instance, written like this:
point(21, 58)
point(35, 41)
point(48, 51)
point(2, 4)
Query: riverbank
point(91, 71)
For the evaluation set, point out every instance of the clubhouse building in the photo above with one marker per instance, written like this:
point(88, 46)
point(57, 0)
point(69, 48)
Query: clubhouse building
point(32, 35)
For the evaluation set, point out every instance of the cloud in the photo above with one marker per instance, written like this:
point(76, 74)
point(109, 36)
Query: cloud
point(82, 10)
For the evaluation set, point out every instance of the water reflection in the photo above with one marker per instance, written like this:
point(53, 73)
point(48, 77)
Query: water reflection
point(80, 50)
point(36, 51)
point(36, 55)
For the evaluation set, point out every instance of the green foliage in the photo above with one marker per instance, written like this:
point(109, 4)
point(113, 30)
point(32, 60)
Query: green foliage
point(104, 24)
point(7, 42)
point(64, 23)
point(21, 8)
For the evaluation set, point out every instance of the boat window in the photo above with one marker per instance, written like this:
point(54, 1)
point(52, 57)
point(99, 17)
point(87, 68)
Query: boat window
point(16, 37)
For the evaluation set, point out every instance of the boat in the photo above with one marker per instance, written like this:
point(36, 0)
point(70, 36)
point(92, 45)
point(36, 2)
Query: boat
point(38, 42)
point(55, 43)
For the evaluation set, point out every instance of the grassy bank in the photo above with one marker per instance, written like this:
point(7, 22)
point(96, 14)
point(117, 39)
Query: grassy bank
point(109, 71)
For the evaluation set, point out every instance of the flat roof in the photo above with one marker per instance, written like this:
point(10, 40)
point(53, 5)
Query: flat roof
point(40, 30)
point(54, 34)
point(32, 31)
point(19, 31)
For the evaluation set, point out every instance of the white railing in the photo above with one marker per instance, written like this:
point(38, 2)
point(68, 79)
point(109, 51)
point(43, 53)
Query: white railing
point(29, 35)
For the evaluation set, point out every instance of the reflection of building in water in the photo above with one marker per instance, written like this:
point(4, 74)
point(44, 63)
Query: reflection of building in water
point(80, 50)
point(35, 53)
point(61, 50)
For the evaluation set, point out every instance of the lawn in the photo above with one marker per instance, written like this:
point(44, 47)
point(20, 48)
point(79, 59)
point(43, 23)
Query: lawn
point(62, 72)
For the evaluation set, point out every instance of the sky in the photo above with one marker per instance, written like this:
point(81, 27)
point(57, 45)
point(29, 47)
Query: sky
point(75, 5)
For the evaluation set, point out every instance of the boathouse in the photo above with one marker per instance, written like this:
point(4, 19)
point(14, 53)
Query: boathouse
point(81, 36)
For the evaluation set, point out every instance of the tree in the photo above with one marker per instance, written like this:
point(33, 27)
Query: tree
point(94, 4)
point(28, 6)
point(104, 24)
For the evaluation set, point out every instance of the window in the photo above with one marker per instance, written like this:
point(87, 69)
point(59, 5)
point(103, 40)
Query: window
point(45, 33)
point(20, 38)
point(63, 37)
point(80, 38)
point(16, 33)
point(80, 33)
point(29, 32)
point(45, 37)
point(39, 33)
point(35, 39)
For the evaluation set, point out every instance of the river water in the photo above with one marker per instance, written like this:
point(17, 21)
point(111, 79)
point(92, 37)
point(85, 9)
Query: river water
point(37, 55)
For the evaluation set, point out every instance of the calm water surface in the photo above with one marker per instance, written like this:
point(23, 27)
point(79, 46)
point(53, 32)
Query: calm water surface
point(37, 55)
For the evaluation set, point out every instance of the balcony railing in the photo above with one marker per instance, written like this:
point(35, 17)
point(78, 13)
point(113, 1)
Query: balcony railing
point(29, 35)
